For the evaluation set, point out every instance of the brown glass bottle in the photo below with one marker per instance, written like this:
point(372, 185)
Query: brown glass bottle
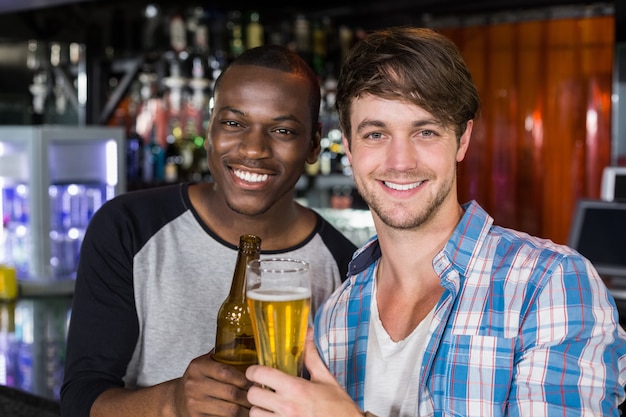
point(234, 340)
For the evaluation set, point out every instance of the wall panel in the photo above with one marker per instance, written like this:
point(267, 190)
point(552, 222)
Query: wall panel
point(544, 133)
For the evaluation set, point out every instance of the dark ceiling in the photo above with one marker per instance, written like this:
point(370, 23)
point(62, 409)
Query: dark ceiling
point(435, 6)
point(80, 20)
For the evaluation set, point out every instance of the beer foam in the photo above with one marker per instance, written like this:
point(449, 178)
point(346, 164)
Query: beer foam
point(288, 294)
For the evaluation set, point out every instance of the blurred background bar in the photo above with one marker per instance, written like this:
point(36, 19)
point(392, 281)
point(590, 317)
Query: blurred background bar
point(100, 97)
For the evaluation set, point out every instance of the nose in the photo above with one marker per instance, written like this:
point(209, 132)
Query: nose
point(401, 154)
point(255, 144)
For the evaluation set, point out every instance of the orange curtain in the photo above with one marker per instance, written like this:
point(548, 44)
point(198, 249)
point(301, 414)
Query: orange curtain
point(544, 132)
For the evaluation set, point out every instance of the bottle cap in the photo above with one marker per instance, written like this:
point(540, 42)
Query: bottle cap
point(249, 243)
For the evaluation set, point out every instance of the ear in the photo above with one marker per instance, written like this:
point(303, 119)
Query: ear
point(346, 147)
point(464, 141)
point(314, 152)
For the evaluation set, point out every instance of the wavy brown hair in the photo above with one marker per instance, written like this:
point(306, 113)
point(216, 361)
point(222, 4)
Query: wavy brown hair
point(417, 65)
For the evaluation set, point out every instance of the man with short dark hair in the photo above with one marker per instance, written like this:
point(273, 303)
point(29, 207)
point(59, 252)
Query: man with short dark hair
point(156, 264)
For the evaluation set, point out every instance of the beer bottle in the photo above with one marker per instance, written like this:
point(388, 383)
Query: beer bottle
point(234, 340)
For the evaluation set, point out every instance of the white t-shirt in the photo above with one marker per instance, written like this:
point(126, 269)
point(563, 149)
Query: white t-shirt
point(393, 368)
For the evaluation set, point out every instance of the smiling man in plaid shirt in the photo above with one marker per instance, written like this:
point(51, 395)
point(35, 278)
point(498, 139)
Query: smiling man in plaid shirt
point(444, 313)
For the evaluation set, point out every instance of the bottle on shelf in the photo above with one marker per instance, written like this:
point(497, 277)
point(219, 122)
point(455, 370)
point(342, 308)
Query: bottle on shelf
point(234, 26)
point(302, 37)
point(16, 239)
point(319, 48)
point(152, 33)
point(134, 162)
point(195, 164)
point(218, 43)
point(174, 153)
point(254, 31)
point(234, 340)
point(346, 40)
point(153, 170)
point(178, 33)
point(196, 107)
point(198, 29)
point(175, 90)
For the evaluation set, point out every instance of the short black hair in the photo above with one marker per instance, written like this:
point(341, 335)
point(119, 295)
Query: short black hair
point(282, 59)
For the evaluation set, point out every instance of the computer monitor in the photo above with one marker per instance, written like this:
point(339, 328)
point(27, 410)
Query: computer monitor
point(598, 232)
point(614, 183)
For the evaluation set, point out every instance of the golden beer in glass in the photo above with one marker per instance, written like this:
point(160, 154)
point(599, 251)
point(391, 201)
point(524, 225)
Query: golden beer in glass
point(279, 300)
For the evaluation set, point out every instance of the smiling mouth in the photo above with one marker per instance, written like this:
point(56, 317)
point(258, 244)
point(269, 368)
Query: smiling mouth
point(402, 187)
point(250, 176)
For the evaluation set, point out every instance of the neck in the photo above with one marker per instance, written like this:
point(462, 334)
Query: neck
point(406, 253)
point(284, 225)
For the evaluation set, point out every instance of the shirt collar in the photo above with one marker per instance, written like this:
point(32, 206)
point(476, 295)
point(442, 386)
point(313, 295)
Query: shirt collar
point(366, 255)
point(466, 238)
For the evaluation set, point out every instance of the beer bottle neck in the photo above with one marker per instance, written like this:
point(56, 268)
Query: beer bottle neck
point(238, 286)
point(249, 249)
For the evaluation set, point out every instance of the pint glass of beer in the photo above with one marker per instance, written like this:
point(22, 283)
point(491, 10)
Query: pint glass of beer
point(279, 300)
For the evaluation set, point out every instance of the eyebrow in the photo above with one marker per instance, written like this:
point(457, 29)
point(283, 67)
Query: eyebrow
point(369, 123)
point(378, 123)
point(287, 117)
point(230, 109)
point(281, 118)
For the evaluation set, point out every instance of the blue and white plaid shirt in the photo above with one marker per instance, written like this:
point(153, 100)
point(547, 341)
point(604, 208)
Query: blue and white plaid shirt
point(525, 327)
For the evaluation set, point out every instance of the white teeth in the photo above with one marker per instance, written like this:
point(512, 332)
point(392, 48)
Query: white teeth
point(402, 187)
point(249, 176)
